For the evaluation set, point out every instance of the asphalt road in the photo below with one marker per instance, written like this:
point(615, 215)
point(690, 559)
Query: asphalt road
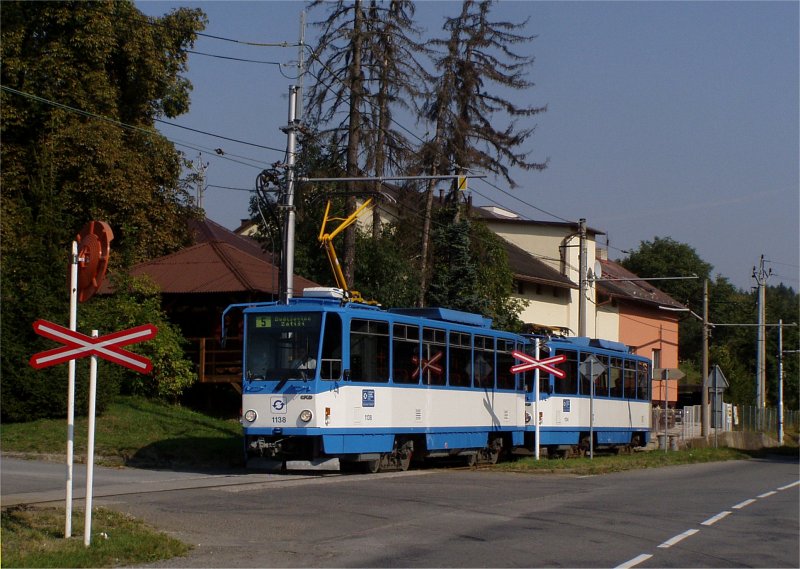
point(732, 514)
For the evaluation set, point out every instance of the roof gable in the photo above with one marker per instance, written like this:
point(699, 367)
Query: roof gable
point(528, 268)
point(617, 282)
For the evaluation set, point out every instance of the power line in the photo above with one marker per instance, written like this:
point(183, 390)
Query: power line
point(221, 137)
point(253, 163)
point(242, 60)
point(553, 215)
point(130, 126)
point(152, 21)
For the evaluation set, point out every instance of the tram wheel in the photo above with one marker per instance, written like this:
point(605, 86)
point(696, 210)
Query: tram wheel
point(404, 454)
point(493, 451)
point(584, 446)
point(471, 460)
point(373, 466)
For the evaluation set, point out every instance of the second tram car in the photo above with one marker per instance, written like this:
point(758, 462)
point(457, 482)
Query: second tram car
point(327, 381)
point(575, 412)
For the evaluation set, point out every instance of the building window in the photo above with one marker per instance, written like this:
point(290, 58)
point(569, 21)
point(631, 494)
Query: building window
point(656, 358)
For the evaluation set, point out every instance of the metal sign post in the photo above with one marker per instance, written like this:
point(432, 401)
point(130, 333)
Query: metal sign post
point(536, 385)
point(591, 368)
point(87, 526)
point(73, 324)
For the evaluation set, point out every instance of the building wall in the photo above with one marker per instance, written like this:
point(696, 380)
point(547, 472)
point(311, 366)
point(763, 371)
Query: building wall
point(558, 247)
point(647, 330)
point(607, 322)
point(548, 306)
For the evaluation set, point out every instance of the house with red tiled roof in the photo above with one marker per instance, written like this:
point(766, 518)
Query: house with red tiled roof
point(199, 282)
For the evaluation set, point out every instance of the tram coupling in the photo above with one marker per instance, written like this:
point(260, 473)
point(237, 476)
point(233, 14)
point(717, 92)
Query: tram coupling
point(264, 448)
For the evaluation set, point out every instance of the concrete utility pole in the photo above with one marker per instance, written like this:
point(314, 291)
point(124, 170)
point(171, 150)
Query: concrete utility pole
point(761, 277)
point(200, 179)
point(704, 420)
point(780, 382)
point(291, 129)
point(287, 260)
point(582, 281)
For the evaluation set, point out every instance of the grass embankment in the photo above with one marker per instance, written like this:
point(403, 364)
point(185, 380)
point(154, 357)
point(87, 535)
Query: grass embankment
point(604, 464)
point(137, 432)
point(34, 537)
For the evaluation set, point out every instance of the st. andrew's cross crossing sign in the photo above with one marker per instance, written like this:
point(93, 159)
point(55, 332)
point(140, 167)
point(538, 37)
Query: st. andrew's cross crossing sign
point(108, 347)
point(547, 365)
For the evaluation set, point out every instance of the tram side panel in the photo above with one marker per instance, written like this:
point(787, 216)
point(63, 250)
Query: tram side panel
point(565, 418)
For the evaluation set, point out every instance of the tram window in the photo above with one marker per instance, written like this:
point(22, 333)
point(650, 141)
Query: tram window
point(433, 362)
point(460, 361)
point(331, 364)
point(405, 357)
point(614, 375)
point(568, 385)
point(505, 379)
point(276, 340)
point(643, 383)
point(629, 374)
point(483, 362)
point(585, 382)
point(544, 382)
point(600, 382)
point(369, 350)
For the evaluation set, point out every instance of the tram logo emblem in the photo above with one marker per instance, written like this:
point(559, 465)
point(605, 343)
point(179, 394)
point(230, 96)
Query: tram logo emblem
point(368, 398)
point(278, 404)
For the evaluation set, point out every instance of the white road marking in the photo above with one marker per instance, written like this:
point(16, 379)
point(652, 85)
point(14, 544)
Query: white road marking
point(715, 519)
point(741, 505)
point(767, 494)
point(678, 538)
point(793, 484)
point(634, 562)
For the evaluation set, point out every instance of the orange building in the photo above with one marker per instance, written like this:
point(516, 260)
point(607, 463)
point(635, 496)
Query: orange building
point(646, 320)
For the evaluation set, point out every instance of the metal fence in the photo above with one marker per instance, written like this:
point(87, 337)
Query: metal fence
point(763, 420)
point(686, 423)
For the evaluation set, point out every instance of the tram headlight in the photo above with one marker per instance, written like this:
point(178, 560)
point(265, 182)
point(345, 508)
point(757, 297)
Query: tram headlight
point(527, 417)
point(250, 415)
point(306, 415)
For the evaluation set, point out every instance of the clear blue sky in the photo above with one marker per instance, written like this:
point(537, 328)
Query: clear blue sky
point(669, 119)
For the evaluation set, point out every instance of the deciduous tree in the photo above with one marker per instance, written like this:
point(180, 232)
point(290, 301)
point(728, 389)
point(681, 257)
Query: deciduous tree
point(475, 124)
point(82, 84)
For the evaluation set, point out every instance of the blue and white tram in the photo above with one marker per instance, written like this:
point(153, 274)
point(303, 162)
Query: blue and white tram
point(620, 400)
point(327, 381)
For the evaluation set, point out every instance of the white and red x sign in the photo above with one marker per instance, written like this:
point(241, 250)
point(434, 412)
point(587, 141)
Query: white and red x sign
point(546, 365)
point(431, 365)
point(108, 347)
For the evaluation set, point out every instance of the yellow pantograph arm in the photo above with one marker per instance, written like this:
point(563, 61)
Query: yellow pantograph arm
point(327, 240)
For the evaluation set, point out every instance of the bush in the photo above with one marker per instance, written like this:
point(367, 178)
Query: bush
point(136, 302)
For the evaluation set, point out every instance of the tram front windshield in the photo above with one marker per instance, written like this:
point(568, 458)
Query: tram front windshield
point(282, 346)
